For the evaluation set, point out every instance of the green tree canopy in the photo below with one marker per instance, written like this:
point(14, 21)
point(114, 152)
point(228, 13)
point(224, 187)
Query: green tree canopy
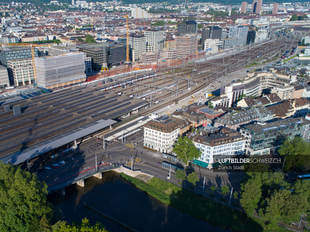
point(193, 178)
point(180, 174)
point(225, 189)
point(185, 150)
point(296, 153)
point(22, 200)
point(90, 39)
point(274, 200)
point(62, 226)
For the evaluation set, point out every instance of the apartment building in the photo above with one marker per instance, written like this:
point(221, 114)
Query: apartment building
point(225, 142)
point(161, 133)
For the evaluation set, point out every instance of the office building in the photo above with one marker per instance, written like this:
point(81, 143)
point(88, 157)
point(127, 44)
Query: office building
point(98, 54)
point(138, 46)
point(235, 119)
point(4, 77)
point(211, 46)
point(275, 8)
point(225, 142)
point(257, 6)
point(59, 71)
point(161, 133)
point(116, 54)
point(244, 6)
point(262, 34)
point(14, 53)
point(263, 138)
point(214, 32)
point(21, 72)
point(186, 46)
point(187, 27)
point(154, 40)
point(236, 36)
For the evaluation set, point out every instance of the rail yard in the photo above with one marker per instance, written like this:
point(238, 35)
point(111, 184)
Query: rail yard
point(29, 123)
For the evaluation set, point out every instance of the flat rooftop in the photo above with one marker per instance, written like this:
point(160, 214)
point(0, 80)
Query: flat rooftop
point(51, 116)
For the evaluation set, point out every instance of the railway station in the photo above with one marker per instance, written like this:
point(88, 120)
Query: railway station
point(41, 124)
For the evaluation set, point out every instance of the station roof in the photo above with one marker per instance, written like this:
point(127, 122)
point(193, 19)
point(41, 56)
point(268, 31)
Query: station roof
point(43, 119)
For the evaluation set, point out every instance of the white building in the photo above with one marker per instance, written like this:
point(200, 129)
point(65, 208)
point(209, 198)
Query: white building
point(61, 70)
point(225, 142)
point(154, 40)
point(160, 134)
point(21, 71)
point(4, 77)
point(212, 46)
point(138, 46)
point(262, 34)
point(139, 13)
point(254, 85)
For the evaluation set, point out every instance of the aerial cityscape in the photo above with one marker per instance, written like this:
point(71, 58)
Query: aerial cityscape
point(148, 116)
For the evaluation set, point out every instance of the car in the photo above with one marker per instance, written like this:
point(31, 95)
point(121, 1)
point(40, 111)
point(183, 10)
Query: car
point(62, 162)
point(47, 168)
point(56, 165)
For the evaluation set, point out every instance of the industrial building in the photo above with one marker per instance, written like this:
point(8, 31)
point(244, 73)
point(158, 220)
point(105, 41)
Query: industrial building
point(4, 77)
point(116, 54)
point(41, 124)
point(21, 71)
point(59, 71)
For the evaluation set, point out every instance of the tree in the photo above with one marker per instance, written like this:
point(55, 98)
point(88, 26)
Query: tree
point(225, 189)
point(296, 154)
point(185, 150)
point(90, 39)
point(180, 174)
point(193, 178)
point(23, 204)
point(62, 226)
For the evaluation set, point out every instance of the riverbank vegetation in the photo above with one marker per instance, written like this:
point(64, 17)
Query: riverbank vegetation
point(24, 206)
point(195, 205)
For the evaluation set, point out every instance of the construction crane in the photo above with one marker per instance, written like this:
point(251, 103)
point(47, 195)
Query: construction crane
point(32, 46)
point(127, 40)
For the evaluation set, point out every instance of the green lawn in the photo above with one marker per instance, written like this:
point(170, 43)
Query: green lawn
point(196, 205)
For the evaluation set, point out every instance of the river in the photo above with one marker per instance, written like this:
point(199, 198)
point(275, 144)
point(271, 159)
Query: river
point(114, 197)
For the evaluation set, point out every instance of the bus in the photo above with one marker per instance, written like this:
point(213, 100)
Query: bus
point(171, 166)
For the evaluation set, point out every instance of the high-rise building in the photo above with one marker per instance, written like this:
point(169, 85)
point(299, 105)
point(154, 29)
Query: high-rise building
point(98, 54)
point(257, 6)
point(275, 8)
point(187, 27)
point(154, 40)
point(139, 13)
point(59, 71)
point(138, 46)
point(214, 32)
point(244, 6)
point(236, 36)
point(4, 77)
point(186, 45)
point(116, 54)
